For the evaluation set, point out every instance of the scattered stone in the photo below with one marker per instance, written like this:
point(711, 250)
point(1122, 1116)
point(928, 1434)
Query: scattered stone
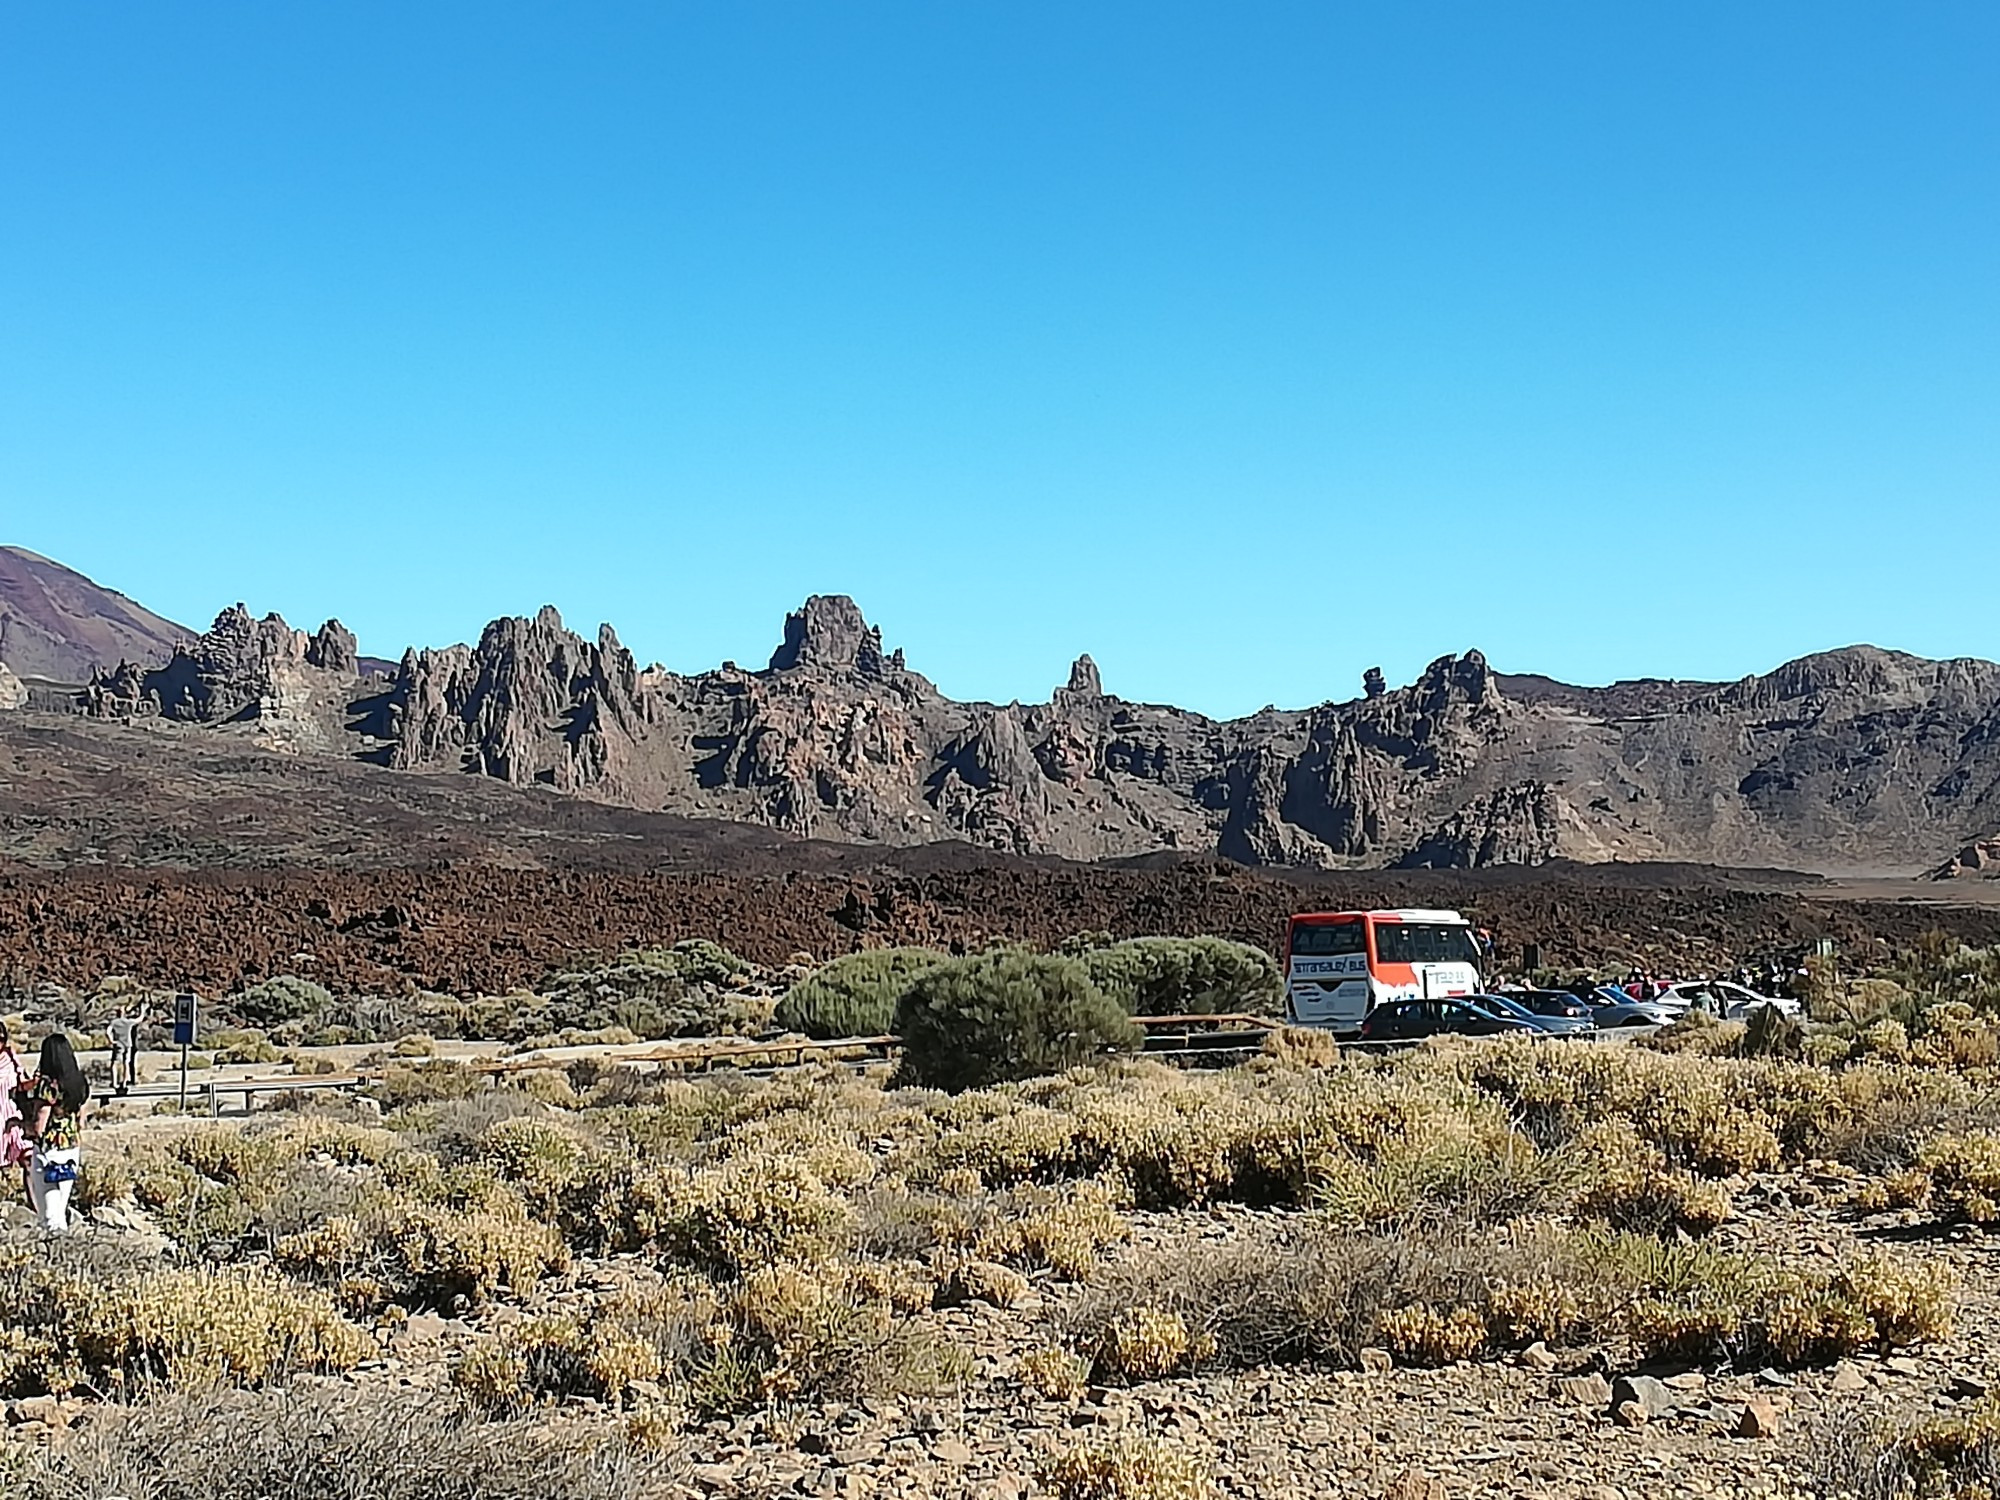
point(1687, 1380)
point(1377, 1361)
point(1776, 1379)
point(1965, 1388)
point(1759, 1419)
point(1593, 1391)
point(1847, 1378)
point(1650, 1394)
point(1630, 1414)
point(1414, 1484)
point(1537, 1357)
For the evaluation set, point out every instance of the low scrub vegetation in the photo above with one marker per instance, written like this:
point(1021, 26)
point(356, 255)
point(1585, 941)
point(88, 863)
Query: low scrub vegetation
point(1436, 1298)
point(667, 1252)
point(1171, 976)
point(321, 1445)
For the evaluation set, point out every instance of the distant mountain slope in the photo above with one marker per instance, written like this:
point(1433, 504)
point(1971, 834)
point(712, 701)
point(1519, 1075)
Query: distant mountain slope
point(57, 624)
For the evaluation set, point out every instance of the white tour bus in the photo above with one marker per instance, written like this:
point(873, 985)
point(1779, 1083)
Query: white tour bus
point(1341, 965)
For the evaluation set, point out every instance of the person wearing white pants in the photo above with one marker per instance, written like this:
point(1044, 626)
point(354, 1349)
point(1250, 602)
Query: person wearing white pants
point(53, 1102)
point(51, 1179)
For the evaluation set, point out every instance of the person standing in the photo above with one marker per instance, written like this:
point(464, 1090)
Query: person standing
point(13, 1072)
point(124, 1033)
point(53, 1102)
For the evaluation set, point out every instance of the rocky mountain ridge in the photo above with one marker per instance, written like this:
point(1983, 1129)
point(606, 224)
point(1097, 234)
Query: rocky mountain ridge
point(1851, 759)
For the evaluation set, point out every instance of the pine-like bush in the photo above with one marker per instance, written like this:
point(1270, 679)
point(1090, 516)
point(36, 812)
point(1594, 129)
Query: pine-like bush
point(1169, 976)
point(274, 1001)
point(856, 995)
point(1006, 1015)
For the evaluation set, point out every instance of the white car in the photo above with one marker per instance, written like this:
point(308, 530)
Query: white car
point(1725, 1001)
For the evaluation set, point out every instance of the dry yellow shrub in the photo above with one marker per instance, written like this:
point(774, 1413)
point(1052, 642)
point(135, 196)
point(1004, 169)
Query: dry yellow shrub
point(1127, 1468)
point(1150, 1343)
point(1302, 1047)
point(1423, 1335)
point(1055, 1374)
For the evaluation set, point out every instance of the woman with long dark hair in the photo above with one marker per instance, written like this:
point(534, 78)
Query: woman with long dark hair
point(52, 1104)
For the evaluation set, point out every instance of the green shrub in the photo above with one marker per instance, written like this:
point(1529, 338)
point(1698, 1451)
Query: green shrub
point(1006, 1015)
point(241, 1047)
point(275, 1001)
point(856, 995)
point(685, 990)
point(1168, 976)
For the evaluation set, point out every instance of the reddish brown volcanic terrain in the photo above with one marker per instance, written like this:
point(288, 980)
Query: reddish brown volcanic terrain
point(475, 928)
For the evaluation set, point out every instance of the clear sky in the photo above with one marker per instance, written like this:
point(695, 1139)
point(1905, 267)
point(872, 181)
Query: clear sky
point(1243, 346)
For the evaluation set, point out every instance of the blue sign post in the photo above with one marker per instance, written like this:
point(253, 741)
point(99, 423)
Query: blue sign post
point(184, 1024)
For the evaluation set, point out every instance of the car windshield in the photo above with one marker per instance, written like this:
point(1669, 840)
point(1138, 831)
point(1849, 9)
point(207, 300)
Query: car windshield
point(1327, 939)
point(1425, 943)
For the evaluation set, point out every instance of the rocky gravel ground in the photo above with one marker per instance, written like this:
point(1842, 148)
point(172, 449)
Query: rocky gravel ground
point(1567, 1423)
point(1544, 1426)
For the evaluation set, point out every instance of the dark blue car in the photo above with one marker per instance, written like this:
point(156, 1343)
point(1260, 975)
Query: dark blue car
point(1562, 1015)
point(1413, 1020)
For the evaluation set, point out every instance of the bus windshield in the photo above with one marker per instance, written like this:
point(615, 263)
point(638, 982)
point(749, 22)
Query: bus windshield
point(1425, 943)
point(1327, 939)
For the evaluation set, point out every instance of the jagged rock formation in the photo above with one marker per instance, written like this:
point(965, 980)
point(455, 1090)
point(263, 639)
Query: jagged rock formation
point(1851, 760)
point(533, 702)
point(839, 738)
point(294, 688)
point(13, 694)
point(1529, 824)
point(58, 625)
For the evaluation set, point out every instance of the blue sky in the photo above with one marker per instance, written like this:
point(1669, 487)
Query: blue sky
point(1241, 346)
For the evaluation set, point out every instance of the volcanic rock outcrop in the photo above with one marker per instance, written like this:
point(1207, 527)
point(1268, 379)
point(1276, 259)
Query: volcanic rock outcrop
point(1858, 758)
point(1529, 824)
point(1979, 860)
point(1847, 761)
point(292, 686)
point(13, 693)
point(533, 702)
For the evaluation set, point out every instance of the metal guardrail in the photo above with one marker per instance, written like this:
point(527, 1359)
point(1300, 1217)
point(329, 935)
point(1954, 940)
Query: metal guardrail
point(209, 1091)
point(1188, 1038)
point(702, 1055)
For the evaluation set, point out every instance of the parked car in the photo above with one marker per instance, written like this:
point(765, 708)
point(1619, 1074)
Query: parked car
point(1723, 1000)
point(1413, 1020)
point(1558, 1003)
point(1557, 1021)
point(1618, 1013)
